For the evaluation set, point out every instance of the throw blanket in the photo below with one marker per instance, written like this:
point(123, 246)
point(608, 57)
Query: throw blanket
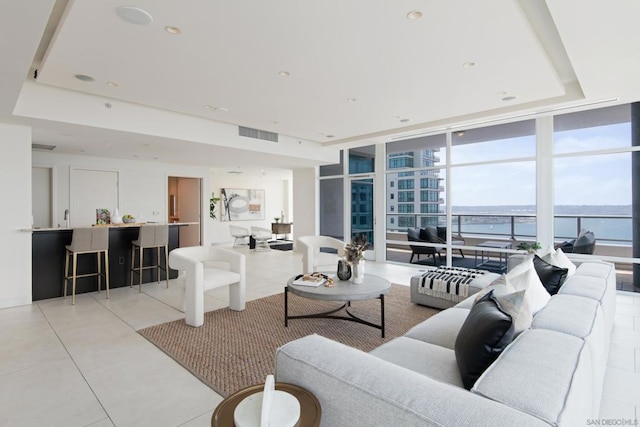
point(450, 283)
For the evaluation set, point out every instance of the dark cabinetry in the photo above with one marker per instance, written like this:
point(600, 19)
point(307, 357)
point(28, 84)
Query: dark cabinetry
point(48, 250)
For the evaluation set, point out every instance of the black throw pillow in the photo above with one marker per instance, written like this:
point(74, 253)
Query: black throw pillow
point(484, 334)
point(551, 276)
point(425, 235)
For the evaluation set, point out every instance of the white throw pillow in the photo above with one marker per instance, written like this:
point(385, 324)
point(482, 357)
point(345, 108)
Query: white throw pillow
point(524, 277)
point(559, 259)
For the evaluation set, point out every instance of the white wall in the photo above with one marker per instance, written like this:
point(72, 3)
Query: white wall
point(143, 185)
point(305, 202)
point(277, 199)
point(15, 215)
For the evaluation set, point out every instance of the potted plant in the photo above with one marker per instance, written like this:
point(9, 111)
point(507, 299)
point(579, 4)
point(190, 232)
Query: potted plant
point(529, 247)
point(212, 205)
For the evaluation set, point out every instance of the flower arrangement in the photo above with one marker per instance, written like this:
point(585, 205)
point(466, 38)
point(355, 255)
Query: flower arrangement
point(354, 250)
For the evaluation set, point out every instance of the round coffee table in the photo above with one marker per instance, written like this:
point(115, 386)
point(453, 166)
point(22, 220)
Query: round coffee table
point(372, 287)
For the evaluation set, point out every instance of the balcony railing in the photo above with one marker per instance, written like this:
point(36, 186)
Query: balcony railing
point(615, 229)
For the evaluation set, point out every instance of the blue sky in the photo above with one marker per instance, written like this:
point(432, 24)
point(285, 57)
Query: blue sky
point(579, 180)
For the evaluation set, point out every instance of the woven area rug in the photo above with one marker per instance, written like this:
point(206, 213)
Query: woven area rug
point(234, 350)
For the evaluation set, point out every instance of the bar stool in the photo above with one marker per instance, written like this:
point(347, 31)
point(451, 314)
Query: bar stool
point(87, 240)
point(150, 236)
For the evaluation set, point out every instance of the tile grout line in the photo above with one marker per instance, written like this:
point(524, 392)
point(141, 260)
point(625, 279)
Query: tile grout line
point(76, 365)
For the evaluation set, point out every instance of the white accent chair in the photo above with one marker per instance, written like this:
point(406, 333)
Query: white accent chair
point(205, 268)
point(315, 260)
point(240, 234)
point(262, 237)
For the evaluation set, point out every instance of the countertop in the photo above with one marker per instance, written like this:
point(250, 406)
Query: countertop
point(133, 224)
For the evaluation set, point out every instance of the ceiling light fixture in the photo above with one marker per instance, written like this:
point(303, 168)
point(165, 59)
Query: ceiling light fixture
point(221, 109)
point(414, 14)
point(208, 107)
point(112, 84)
point(330, 136)
point(405, 120)
point(469, 64)
point(84, 78)
point(509, 98)
point(284, 73)
point(134, 15)
point(172, 30)
point(351, 99)
point(460, 133)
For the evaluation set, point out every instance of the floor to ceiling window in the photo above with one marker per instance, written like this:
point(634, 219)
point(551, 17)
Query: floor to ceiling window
point(593, 183)
point(332, 200)
point(480, 184)
point(493, 181)
point(415, 190)
point(362, 165)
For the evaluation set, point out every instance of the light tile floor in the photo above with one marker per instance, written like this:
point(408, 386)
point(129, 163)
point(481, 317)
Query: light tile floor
point(85, 365)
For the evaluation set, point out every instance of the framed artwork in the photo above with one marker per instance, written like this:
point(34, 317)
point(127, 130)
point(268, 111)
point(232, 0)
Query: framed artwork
point(242, 204)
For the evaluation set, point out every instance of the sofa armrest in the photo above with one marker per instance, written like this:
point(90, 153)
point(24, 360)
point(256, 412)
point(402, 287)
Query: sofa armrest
point(356, 388)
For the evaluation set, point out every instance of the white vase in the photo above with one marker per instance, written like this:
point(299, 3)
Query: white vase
point(357, 272)
point(116, 218)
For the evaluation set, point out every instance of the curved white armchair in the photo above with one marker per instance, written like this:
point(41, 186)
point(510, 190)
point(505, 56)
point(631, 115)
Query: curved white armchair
point(313, 259)
point(207, 268)
point(262, 237)
point(240, 234)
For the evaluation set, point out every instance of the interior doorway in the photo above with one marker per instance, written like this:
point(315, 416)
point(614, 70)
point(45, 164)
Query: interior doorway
point(42, 187)
point(185, 206)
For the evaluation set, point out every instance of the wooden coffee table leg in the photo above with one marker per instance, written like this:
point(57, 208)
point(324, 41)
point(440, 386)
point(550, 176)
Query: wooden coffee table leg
point(382, 313)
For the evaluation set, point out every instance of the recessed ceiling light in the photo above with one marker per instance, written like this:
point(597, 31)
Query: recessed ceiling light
point(134, 15)
point(469, 64)
point(221, 109)
point(509, 98)
point(351, 99)
point(208, 107)
point(172, 30)
point(84, 78)
point(330, 136)
point(503, 93)
point(405, 120)
point(274, 122)
point(414, 14)
point(460, 133)
point(284, 73)
point(235, 172)
point(112, 84)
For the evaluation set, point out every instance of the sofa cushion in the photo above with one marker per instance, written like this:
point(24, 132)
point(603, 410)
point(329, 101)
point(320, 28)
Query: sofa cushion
point(427, 359)
point(569, 314)
point(545, 374)
point(487, 330)
point(440, 329)
point(552, 277)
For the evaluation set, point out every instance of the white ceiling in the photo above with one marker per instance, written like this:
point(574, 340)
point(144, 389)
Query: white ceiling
point(403, 75)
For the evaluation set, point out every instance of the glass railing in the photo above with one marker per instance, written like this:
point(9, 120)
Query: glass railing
point(615, 229)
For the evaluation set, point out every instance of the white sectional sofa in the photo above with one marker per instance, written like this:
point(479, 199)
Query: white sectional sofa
point(551, 374)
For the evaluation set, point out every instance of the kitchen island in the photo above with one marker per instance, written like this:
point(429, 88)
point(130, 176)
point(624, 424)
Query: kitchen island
point(48, 251)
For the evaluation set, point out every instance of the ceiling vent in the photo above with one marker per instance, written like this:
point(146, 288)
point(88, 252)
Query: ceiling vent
point(258, 134)
point(42, 147)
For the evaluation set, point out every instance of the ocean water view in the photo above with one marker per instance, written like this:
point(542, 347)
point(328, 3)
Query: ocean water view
point(609, 223)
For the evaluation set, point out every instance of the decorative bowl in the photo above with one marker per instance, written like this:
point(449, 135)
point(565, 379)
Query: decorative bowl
point(128, 220)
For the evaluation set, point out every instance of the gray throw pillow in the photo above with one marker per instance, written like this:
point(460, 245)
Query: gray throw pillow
point(491, 325)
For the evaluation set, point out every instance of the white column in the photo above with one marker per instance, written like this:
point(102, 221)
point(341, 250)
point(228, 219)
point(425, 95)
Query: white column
point(305, 202)
point(15, 216)
point(544, 181)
